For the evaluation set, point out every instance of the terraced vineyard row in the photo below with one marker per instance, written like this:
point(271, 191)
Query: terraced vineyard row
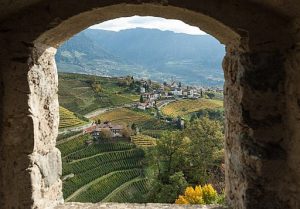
point(73, 184)
point(143, 140)
point(186, 106)
point(92, 172)
point(84, 164)
point(153, 133)
point(69, 119)
point(103, 186)
point(98, 148)
point(131, 192)
point(73, 145)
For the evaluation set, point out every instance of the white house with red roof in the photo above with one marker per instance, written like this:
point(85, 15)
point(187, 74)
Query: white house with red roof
point(95, 129)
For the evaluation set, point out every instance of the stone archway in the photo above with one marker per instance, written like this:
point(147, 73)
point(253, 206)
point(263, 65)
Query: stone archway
point(261, 126)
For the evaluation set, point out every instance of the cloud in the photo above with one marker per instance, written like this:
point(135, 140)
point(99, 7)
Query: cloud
point(149, 22)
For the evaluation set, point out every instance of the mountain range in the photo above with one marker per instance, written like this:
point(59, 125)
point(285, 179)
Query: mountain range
point(144, 53)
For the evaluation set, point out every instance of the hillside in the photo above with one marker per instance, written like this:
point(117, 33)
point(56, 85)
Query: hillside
point(145, 121)
point(69, 119)
point(124, 168)
point(154, 54)
point(101, 172)
point(185, 107)
point(123, 116)
point(85, 93)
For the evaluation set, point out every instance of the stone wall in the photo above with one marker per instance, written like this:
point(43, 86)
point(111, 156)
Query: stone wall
point(255, 108)
point(30, 163)
point(262, 94)
point(290, 183)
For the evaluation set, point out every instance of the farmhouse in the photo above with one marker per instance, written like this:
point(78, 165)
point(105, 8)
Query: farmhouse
point(145, 105)
point(96, 129)
point(151, 96)
point(176, 91)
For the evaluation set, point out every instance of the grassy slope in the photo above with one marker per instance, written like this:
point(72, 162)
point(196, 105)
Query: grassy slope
point(124, 116)
point(68, 118)
point(76, 93)
point(184, 107)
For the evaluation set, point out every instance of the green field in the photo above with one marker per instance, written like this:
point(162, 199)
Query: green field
point(187, 106)
point(85, 93)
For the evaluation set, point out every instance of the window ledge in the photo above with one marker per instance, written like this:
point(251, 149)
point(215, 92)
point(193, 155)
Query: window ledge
point(134, 206)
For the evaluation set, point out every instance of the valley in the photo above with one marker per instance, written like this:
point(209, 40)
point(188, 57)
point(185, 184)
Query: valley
point(111, 129)
point(144, 53)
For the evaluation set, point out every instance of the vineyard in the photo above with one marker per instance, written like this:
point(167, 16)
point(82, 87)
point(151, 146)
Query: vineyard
point(102, 171)
point(103, 186)
point(77, 94)
point(123, 116)
point(143, 140)
point(69, 119)
point(130, 192)
point(137, 167)
point(184, 107)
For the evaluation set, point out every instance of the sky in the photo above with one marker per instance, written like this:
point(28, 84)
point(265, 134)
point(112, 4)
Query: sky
point(123, 23)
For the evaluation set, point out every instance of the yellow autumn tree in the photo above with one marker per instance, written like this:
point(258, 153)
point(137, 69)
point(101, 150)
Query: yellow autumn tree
point(200, 195)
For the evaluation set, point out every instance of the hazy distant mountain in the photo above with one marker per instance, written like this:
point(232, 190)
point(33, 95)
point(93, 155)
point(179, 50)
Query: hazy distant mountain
point(151, 53)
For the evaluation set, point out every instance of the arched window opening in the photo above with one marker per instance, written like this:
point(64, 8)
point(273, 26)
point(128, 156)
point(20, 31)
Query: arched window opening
point(141, 113)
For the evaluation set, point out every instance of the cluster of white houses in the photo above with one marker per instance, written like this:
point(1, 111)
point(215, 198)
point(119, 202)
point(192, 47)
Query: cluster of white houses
point(172, 90)
point(169, 91)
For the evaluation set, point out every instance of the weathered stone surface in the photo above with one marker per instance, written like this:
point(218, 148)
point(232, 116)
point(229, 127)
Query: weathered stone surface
point(262, 93)
point(30, 163)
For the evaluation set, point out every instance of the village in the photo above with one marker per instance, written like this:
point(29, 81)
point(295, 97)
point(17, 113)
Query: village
point(152, 96)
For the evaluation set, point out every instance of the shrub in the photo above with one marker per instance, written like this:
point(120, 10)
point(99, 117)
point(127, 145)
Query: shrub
point(200, 195)
point(209, 194)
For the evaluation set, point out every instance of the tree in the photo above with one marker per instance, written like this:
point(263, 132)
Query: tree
point(171, 147)
point(97, 87)
point(193, 117)
point(134, 128)
point(141, 99)
point(210, 95)
point(126, 132)
point(206, 138)
point(168, 192)
point(213, 114)
point(105, 133)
